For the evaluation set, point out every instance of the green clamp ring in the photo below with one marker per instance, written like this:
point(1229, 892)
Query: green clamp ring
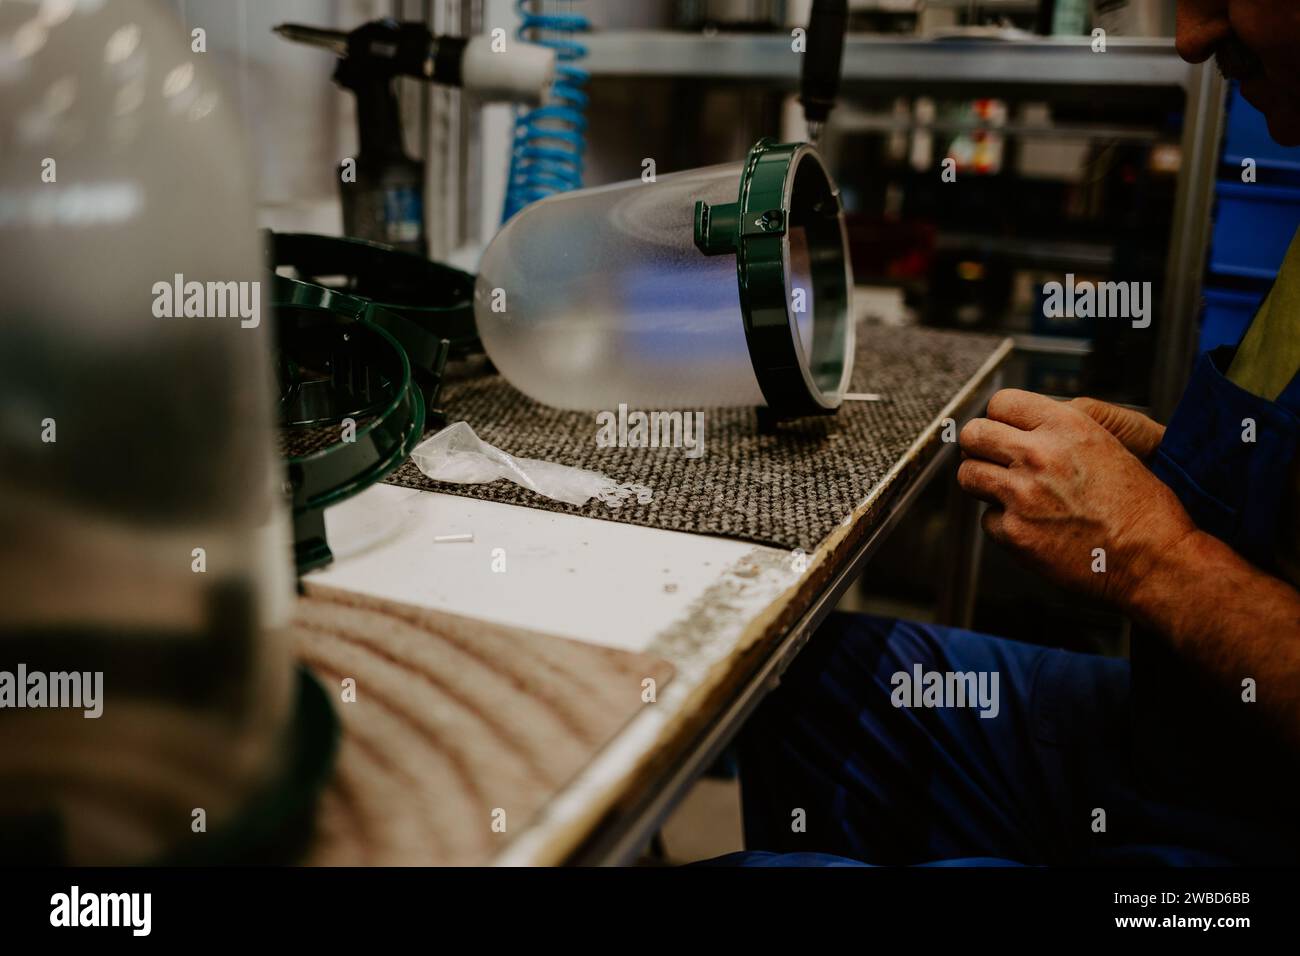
point(784, 190)
point(427, 306)
point(362, 358)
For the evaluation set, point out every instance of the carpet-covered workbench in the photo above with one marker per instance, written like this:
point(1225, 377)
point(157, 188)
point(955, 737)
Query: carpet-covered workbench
point(787, 487)
point(545, 689)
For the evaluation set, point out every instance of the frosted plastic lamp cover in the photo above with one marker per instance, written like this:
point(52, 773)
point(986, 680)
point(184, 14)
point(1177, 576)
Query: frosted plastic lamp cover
point(728, 285)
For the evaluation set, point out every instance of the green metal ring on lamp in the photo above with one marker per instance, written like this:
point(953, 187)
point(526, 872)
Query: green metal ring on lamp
point(785, 187)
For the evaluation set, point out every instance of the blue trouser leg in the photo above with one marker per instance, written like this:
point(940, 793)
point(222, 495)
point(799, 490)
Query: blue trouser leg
point(894, 785)
point(907, 785)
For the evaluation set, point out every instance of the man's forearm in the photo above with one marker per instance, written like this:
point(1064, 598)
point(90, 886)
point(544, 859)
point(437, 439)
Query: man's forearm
point(1233, 620)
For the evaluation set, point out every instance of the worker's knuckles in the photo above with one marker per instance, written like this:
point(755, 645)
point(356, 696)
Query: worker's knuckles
point(975, 434)
point(1019, 535)
point(973, 476)
point(1007, 528)
point(1065, 441)
point(1052, 448)
point(1037, 456)
point(1008, 401)
point(987, 480)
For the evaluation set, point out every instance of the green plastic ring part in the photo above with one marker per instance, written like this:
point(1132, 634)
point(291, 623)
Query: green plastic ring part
point(369, 365)
point(286, 291)
point(427, 306)
point(320, 401)
point(785, 190)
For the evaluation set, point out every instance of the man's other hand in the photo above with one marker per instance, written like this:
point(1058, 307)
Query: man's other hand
point(1138, 433)
point(1067, 494)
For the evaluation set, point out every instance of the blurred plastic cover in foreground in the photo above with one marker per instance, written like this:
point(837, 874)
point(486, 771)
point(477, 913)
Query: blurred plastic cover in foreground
point(129, 440)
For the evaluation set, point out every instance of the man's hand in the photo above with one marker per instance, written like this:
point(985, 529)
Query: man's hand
point(1061, 485)
point(1136, 432)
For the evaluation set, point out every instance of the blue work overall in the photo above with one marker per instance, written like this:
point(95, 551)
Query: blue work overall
point(832, 773)
point(1227, 454)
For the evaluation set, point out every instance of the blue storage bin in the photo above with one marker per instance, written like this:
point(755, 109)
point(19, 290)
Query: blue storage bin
point(1247, 138)
point(1227, 314)
point(1253, 227)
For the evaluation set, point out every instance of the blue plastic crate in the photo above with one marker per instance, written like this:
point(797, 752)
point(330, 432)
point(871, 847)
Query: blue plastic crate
point(1227, 314)
point(1253, 226)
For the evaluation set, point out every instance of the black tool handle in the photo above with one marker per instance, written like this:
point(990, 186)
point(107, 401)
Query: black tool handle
point(378, 120)
point(820, 81)
point(378, 52)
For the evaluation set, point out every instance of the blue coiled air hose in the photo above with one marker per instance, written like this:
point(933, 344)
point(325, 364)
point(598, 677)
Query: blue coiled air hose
point(549, 141)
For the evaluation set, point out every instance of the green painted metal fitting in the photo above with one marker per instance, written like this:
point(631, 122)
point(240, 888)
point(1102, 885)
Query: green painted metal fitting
point(715, 227)
point(786, 197)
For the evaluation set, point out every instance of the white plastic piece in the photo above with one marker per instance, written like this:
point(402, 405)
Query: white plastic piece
point(459, 456)
point(522, 73)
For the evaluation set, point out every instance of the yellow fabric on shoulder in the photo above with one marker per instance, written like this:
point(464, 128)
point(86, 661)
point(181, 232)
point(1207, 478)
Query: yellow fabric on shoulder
point(1269, 355)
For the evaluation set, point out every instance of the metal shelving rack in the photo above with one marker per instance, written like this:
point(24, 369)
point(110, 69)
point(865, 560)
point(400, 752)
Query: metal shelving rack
point(1068, 60)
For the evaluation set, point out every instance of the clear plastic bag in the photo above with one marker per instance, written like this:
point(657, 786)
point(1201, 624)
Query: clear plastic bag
point(459, 456)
